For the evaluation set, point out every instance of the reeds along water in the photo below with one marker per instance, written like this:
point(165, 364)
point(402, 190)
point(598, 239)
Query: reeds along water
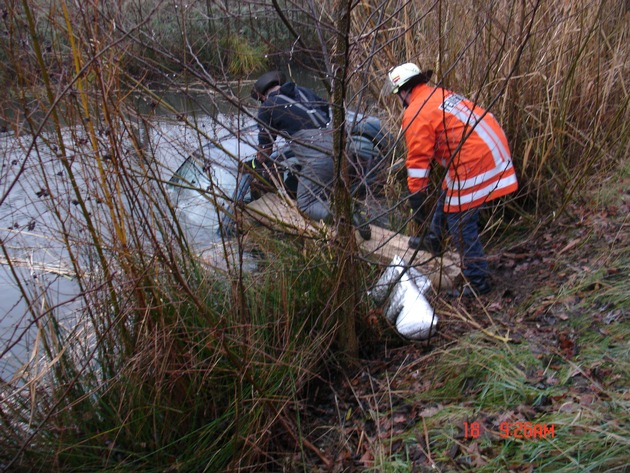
point(552, 73)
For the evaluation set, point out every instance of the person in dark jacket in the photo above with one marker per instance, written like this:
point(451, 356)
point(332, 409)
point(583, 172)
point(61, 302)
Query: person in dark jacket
point(301, 116)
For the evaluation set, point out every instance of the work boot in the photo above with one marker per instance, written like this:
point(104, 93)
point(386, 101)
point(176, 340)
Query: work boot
point(429, 243)
point(361, 224)
point(471, 290)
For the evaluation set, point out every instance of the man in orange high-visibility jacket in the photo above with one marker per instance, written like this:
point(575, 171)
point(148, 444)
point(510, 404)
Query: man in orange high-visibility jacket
point(469, 143)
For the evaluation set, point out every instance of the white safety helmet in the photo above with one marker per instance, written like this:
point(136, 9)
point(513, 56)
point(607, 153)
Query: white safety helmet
point(400, 75)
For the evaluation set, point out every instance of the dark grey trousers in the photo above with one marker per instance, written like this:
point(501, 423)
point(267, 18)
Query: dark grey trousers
point(314, 148)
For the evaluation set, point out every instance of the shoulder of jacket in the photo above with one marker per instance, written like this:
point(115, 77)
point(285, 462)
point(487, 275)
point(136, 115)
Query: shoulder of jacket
point(426, 101)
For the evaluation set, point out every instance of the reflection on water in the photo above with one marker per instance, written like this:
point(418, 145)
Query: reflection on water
point(39, 207)
point(18, 326)
point(39, 210)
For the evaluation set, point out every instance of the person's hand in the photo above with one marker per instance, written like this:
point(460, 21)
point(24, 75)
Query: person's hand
point(258, 164)
point(262, 156)
point(262, 181)
point(416, 203)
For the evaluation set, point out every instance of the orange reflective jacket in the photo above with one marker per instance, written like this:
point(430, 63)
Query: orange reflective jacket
point(442, 126)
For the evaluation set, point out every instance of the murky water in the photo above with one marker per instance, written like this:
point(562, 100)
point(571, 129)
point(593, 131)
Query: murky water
point(33, 222)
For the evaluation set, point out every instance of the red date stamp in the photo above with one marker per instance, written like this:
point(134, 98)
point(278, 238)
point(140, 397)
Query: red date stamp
point(514, 430)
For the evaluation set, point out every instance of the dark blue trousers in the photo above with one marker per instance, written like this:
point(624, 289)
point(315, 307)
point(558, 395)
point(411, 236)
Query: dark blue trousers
point(464, 230)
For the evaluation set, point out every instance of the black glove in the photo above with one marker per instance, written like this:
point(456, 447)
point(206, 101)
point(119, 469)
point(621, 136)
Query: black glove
point(261, 182)
point(256, 167)
point(416, 202)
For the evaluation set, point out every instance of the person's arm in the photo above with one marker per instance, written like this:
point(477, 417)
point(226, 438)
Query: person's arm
point(266, 137)
point(263, 153)
point(420, 138)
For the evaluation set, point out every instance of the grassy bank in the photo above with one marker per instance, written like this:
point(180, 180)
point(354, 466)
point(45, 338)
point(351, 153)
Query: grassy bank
point(533, 377)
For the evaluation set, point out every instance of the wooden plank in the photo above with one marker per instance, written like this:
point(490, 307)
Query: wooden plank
point(385, 244)
point(281, 213)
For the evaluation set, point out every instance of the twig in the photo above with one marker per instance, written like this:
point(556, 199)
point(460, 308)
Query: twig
point(469, 320)
point(58, 268)
point(290, 430)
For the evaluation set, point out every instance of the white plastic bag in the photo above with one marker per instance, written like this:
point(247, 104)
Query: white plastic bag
point(392, 273)
point(416, 319)
point(406, 307)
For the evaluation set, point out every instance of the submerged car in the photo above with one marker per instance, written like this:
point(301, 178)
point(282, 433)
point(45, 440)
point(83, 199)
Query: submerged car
point(219, 174)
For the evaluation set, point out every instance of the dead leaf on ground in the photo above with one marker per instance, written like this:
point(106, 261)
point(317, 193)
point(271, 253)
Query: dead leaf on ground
point(431, 411)
point(366, 459)
point(572, 244)
point(475, 452)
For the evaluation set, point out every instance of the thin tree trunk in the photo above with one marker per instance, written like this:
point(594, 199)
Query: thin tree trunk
point(346, 286)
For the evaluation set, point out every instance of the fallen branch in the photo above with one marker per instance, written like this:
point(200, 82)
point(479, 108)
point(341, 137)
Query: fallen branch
point(54, 268)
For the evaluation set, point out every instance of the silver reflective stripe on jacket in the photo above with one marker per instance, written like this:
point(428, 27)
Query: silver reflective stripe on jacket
point(315, 115)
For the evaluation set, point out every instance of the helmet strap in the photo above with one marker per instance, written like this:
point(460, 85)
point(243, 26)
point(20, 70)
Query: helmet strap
point(404, 97)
